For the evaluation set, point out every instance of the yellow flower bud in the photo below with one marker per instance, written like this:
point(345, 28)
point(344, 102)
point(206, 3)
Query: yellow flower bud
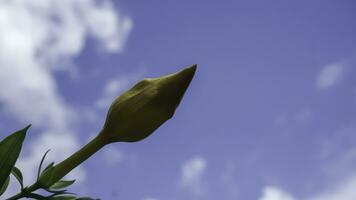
point(146, 106)
point(132, 117)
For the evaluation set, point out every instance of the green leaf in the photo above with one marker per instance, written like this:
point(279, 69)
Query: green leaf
point(18, 175)
point(61, 184)
point(48, 166)
point(85, 198)
point(4, 187)
point(56, 192)
point(39, 168)
point(46, 176)
point(66, 197)
point(10, 149)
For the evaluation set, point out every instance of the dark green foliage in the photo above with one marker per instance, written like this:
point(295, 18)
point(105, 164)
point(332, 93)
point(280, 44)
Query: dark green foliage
point(40, 166)
point(10, 149)
point(46, 177)
point(4, 186)
point(18, 175)
point(64, 198)
point(61, 184)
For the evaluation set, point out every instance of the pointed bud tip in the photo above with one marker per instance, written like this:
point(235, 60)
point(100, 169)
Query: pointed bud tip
point(191, 69)
point(194, 67)
point(27, 127)
point(187, 73)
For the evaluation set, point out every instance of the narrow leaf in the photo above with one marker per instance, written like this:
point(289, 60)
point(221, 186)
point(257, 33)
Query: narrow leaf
point(18, 175)
point(67, 197)
point(4, 187)
point(61, 184)
point(56, 192)
point(48, 166)
point(10, 149)
point(39, 168)
point(45, 178)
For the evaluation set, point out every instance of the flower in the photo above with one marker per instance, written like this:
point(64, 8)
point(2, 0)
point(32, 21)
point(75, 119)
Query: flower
point(138, 112)
point(133, 116)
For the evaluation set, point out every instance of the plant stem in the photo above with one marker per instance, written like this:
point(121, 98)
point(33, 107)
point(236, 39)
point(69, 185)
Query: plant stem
point(67, 165)
point(64, 167)
point(25, 192)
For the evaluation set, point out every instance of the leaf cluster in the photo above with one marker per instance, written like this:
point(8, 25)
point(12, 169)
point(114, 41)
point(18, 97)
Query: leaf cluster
point(10, 148)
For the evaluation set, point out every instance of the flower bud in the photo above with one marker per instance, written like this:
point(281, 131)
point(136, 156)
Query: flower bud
point(146, 106)
point(132, 117)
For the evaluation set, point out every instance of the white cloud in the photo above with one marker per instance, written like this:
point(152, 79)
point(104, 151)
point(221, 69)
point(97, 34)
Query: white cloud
point(330, 75)
point(192, 173)
point(112, 156)
point(338, 158)
point(37, 38)
point(345, 190)
point(274, 193)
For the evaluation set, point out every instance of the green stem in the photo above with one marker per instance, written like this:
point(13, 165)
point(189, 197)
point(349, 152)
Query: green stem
point(63, 168)
point(26, 192)
point(67, 165)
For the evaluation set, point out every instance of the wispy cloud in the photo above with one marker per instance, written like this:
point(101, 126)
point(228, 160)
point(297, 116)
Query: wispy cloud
point(302, 115)
point(33, 45)
point(113, 156)
point(330, 75)
point(192, 174)
point(344, 190)
point(275, 193)
point(338, 162)
point(38, 38)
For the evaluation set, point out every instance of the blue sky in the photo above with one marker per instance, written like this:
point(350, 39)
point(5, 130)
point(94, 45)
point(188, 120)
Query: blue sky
point(270, 114)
